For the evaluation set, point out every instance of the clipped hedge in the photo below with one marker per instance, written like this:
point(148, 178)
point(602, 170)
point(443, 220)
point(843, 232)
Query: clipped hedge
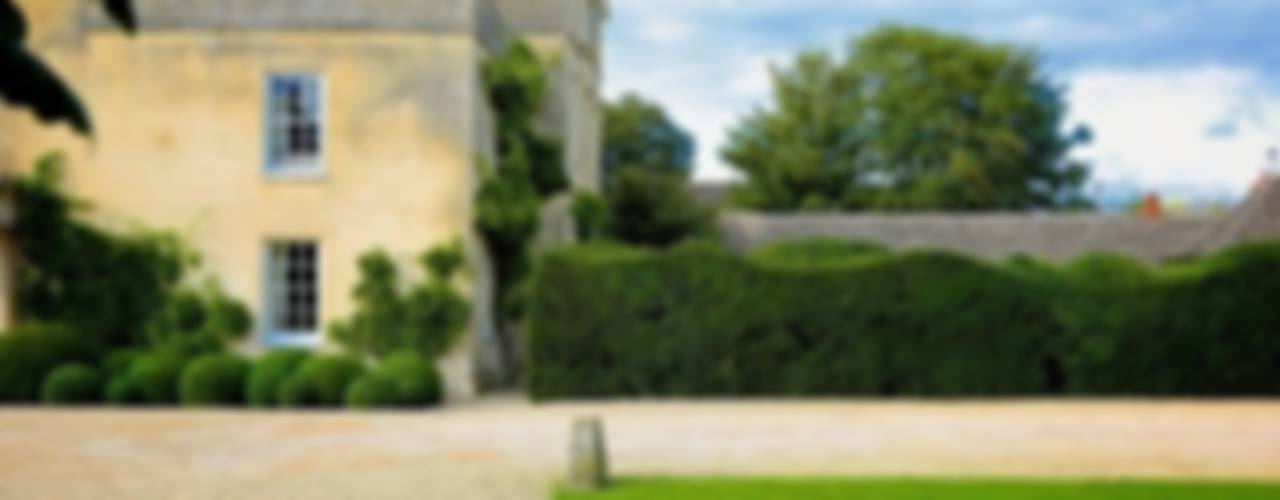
point(214, 380)
point(320, 382)
point(698, 321)
point(155, 377)
point(373, 391)
point(30, 351)
point(269, 373)
point(73, 383)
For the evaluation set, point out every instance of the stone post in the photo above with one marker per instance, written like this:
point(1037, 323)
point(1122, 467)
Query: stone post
point(588, 460)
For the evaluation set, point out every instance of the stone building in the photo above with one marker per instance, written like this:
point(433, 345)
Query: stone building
point(285, 138)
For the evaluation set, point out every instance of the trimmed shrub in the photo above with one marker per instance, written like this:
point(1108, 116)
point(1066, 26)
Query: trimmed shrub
point(269, 373)
point(297, 392)
point(30, 351)
point(817, 251)
point(1203, 328)
point(214, 380)
point(697, 321)
point(372, 391)
point(118, 362)
point(321, 381)
point(156, 376)
point(123, 391)
point(417, 381)
point(72, 384)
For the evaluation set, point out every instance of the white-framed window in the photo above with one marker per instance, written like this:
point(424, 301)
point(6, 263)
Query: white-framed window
point(292, 292)
point(295, 124)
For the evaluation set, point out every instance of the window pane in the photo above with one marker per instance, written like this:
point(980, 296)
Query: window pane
point(293, 287)
point(294, 126)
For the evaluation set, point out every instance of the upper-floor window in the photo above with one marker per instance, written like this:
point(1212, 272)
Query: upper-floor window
point(295, 124)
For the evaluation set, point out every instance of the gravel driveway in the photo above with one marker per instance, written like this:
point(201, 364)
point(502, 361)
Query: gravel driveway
point(504, 448)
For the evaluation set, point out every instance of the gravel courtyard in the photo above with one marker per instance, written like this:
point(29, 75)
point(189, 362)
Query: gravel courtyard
point(505, 448)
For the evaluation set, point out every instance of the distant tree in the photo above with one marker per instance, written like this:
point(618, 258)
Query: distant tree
point(26, 81)
point(655, 209)
point(911, 119)
point(639, 134)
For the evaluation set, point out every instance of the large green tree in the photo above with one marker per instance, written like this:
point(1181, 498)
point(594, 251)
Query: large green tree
point(639, 134)
point(27, 81)
point(910, 119)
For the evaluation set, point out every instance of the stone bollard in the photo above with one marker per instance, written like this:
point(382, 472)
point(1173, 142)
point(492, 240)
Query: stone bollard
point(588, 462)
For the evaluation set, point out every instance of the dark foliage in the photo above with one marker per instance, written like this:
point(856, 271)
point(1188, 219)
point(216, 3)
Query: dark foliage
point(695, 321)
point(214, 380)
point(29, 352)
point(29, 82)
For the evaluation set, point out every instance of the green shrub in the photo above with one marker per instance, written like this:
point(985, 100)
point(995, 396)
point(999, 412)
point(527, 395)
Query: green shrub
point(156, 376)
point(214, 380)
point(30, 351)
point(123, 391)
point(321, 381)
point(372, 391)
point(426, 319)
point(119, 361)
point(269, 373)
point(71, 384)
point(1202, 328)
point(817, 251)
point(696, 320)
point(195, 322)
point(416, 379)
point(104, 286)
point(655, 209)
point(590, 216)
point(297, 392)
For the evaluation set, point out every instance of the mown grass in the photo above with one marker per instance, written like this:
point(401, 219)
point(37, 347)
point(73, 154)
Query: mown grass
point(915, 489)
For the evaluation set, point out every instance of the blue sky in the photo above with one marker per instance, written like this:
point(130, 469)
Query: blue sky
point(1183, 96)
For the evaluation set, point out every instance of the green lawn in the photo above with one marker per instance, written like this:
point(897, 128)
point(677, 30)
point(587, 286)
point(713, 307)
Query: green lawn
point(753, 489)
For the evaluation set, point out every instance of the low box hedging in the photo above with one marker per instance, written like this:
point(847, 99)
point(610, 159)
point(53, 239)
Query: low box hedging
point(405, 379)
point(696, 320)
point(320, 381)
point(214, 380)
point(373, 391)
point(29, 352)
point(72, 384)
point(270, 372)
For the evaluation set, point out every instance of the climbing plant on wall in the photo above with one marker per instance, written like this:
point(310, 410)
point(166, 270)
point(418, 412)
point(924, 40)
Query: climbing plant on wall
point(528, 170)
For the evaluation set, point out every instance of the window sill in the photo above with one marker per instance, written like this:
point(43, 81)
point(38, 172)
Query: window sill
point(275, 340)
point(295, 174)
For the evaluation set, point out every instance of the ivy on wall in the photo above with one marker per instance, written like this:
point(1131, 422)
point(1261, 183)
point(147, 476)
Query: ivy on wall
point(529, 170)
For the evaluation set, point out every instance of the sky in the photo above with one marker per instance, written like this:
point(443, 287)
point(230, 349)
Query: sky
point(1182, 96)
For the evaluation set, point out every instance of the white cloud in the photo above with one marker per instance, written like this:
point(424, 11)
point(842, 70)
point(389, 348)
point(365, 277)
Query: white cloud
point(1151, 128)
point(667, 30)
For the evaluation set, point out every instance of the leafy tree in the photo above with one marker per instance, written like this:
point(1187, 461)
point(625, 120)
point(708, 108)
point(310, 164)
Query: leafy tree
point(29, 82)
point(643, 207)
point(638, 133)
point(910, 119)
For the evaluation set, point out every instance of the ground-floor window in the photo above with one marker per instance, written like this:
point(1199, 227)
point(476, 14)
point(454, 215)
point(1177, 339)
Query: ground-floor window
point(293, 291)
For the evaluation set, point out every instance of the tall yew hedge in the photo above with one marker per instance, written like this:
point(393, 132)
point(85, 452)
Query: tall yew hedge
point(699, 321)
